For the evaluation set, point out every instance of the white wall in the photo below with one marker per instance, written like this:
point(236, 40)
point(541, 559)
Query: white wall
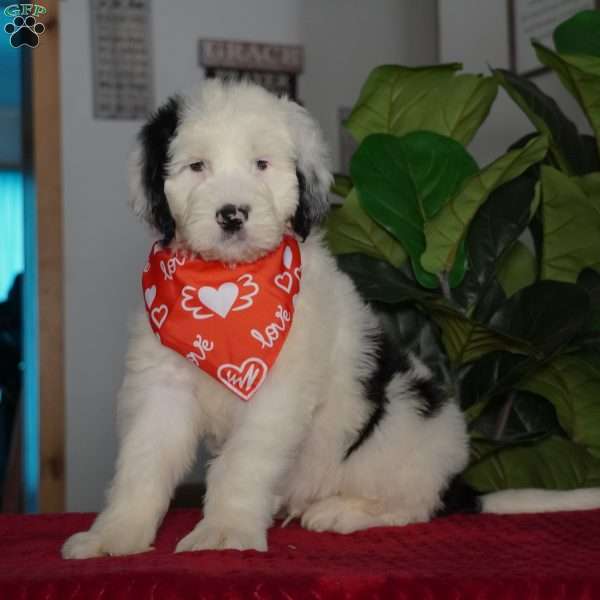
point(105, 246)
point(476, 34)
point(345, 39)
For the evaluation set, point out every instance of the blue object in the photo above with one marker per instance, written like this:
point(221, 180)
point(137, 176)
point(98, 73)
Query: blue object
point(31, 395)
point(11, 229)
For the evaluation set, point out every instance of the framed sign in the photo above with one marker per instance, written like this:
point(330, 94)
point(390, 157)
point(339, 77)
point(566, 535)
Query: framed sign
point(537, 19)
point(274, 66)
point(121, 59)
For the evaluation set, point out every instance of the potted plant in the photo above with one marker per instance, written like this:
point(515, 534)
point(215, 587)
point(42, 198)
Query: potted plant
point(490, 274)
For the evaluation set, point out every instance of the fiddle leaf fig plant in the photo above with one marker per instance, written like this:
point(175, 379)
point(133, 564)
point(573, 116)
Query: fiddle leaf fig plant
point(490, 274)
point(424, 169)
point(398, 100)
point(445, 230)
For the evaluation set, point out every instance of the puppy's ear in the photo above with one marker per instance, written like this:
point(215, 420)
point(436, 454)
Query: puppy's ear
point(147, 168)
point(313, 169)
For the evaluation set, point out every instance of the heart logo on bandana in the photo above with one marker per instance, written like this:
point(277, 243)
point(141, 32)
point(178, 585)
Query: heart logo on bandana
point(244, 379)
point(221, 300)
point(150, 294)
point(159, 314)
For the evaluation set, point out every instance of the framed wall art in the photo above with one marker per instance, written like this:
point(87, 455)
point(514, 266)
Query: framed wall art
point(274, 66)
point(121, 59)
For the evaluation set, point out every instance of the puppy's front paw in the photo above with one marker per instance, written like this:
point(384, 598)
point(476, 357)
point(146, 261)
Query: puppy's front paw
point(209, 535)
point(109, 541)
point(85, 544)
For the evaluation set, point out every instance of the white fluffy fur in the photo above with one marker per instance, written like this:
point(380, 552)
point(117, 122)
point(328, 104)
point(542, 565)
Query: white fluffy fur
point(283, 450)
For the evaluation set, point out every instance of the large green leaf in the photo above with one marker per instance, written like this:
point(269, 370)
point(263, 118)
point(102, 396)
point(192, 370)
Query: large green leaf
point(592, 154)
point(517, 269)
point(581, 76)
point(399, 100)
point(431, 281)
point(589, 279)
point(553, 463)
point(377, 280)
point(403, 182)
point(571, 218)
point(590, 184)
point(536, 228)
point(522, 417)
point(466, 340)
point(566, 145)
point(386, 89)
point(572, 384)
point(446, 230)
point(493, 374)
point(549, 314)
point(350, 229)
point(580, 34)
point(495, 228)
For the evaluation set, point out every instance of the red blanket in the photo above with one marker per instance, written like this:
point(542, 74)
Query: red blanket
point(485, 557)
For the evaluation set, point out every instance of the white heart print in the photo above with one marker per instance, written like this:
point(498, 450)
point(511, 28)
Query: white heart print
point(284, 282)
point(221, 300)
point(150, 295)
point(159, 314)
point(287, 257)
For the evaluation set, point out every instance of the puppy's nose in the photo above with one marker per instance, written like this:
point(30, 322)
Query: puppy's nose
point(231, 217)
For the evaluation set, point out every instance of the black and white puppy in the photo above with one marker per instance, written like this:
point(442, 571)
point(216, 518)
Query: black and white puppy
point(346, 433)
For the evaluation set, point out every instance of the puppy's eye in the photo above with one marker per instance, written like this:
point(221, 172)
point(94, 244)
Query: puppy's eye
point(198, 166)
point(262, 165)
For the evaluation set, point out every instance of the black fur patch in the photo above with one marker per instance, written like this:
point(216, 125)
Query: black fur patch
point(155, 137)
point(389, 362)
point(311, 208)
point(459, 497)
point(301, 221)
point(431, 396)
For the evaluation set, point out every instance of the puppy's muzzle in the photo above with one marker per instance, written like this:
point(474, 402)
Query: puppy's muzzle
point(231, 218)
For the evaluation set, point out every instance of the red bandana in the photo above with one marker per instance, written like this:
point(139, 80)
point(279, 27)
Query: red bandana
point(229, 321)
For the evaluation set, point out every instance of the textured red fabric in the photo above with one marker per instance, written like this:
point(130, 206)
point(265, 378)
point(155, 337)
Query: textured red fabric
point(554, 556)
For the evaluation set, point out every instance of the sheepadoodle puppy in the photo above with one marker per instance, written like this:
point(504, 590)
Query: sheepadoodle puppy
point(252, 340)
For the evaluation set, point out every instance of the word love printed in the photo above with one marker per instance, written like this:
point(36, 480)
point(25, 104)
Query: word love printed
point(230, 321)
point(273, 330)
point(168, 267)
point(203, 347)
